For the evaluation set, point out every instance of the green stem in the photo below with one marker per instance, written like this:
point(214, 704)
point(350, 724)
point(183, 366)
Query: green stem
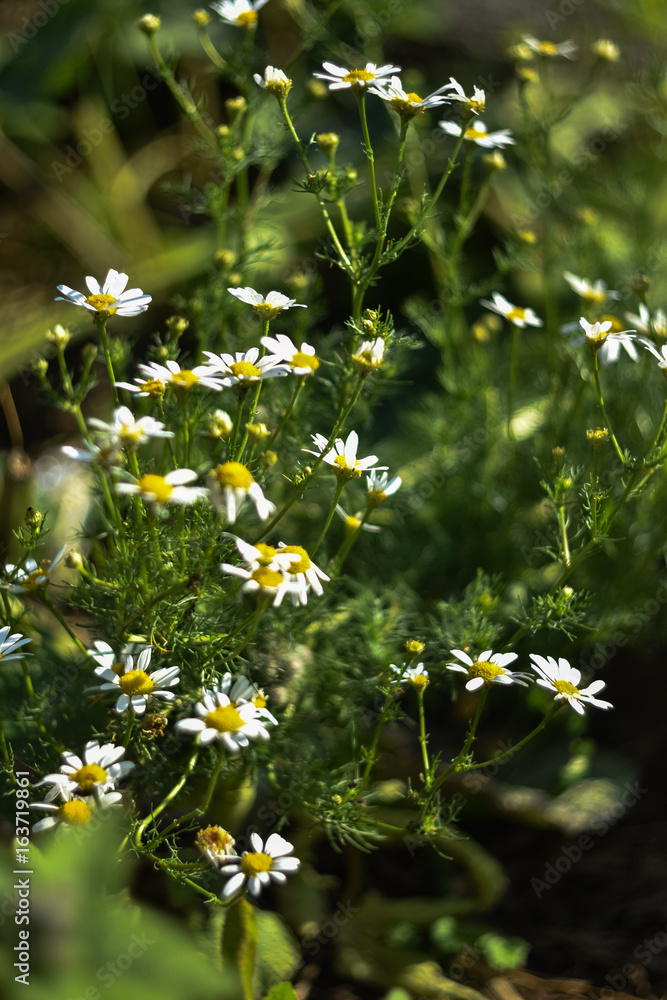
point(603, 408)
point(3, 745)
point(129, 727)
point(54, 611)
point(348, 542)
point(372, 750)
point(562, 524)
point(368, 150)
point(181, 97)
point(511, 385)
point(340, 486)
point(423, 739)
point(512, 750)
point(456, 763)
point(102, 328)
point(231, 447)
point(32, 697)
point(169, 797)
point(210, 49)
point(290, 406)
point(262, 604)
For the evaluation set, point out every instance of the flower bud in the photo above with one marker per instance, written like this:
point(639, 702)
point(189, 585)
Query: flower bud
point(73, 560)
point(597, 437)
point(327, 141)
point(201, 18)
point(149, 24)
point(33, 518)
point(235, 107)
point(177, 325)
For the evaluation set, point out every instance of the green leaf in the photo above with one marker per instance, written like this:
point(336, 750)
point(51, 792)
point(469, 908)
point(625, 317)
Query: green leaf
point(278, 951)
point(239, 943)
point(503, 953)
point(281, 991)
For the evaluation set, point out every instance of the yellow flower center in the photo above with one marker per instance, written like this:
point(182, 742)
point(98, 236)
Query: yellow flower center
point(157, 486)
point(547, 49)
point(75, 813)
point(247, 19)
point(225, 719)
point(216, 840)
point(304, 562)
point(414, 98)
point(516, 313)
point(485, 669)
point(152, 387)
point(233, 474)
point(88, 776)
point(301, 360)
point(255, 862)
point(358, 76)
point(259, 700)
point(244, 369)
point(33, 581)
point(475, 133)
point(267, 554)
point(352, 522)
point(375, 498)
point(101, 303)
point(564, 687)
point(135, 682)
point(267, 311)
point(185, 379)
point(476, 104)
point(118, 668)
point(130, 434)
point(267, 578)
point(342, 469)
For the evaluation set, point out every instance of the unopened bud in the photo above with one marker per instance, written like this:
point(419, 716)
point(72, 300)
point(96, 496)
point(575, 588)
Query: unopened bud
point(60, 336)
point(327, 141)
point(598, 436)
point(414, 647)
point(33, 518)
point(73, 560)
point(269, 459)
point(220, 424)
point(257, 432)
point(558, 454)
point(177, 325)
point(235, 106)
point(202, 18)
point(149, 24)
point(224, 259)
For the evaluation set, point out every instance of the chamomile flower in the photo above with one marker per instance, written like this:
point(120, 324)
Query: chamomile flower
point(242, 13)
point(160, 490)
point(415, 676)
point(98, 771)
point(661, 354)
point(267, 862)
point(128, 432)
point(266, 307)
point(594, 293)
point(470, 105)
point(340, 78)
point(171, 374)
point(217, 718)
point(229, 484)
point(369, 355)
point(550, 49)
point(303, 572)
point(10, 644)
point(515, 314)
point(300, 360)
point(564, 679)
point(263, 581)
point(108, 299)
point(261, 554)
point(135, 685)
point(407, 104)
point(216, 844)
point(105, 658)
point(477, 133)
point(242, 689)
point(601, 334)
point(343, 456)
point(379, 486)
point(31, 577)
point(655, 325)
point(74, 811)
point(489, 668)
point(274, 81)
point(108, 456)
point(353, 522)
point(245, 368)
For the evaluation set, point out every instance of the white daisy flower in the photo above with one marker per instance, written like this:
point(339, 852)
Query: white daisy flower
point(99, 771)
point(216, 844)
point(261, 554)
point(379, 486)
point(158, 377)
point(160, 490)
point(564, 679)
point(106, 659)
point(266, 863)
point(301, 360)
point(343, 456)
point(340, 78)
point(595, 293)
point(74, 811)
point(489, 668)
point(137, 685)
point(31, 576)
point(263, 581)
point(655, 325)
point(472, 105)
point(10, 644)
point(408, 104)
point(242, 13)
point(125, 430)
point(661, 354)
point(597, 335)
point(219, 719)
point(477, 133)
point(269, 307)
point(245, 368)
point(550, 49)
point(107, 456)
point(242, 689)
point(416, 676)
point(515, 314)
point(230, 484)
point(369, 355)
point(108, 299)
point(303, 572)
point(353, 521)
point(275, 81)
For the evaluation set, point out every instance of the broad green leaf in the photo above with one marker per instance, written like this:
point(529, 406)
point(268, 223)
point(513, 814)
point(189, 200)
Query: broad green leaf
point(278, 951)
point(239, 943)
point(281, 991)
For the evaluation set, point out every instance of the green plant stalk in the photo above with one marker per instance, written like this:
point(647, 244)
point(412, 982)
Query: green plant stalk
point(130, 725)
point(169, 797)
point(8, 757)
point(210, 49)
point(518, 746)
point(348, 543)
point(255, 402)
point(101, 323)
point(187, 106)
point(54, 611)
point(603, 408)
point(594, 495)
point(231, 446)
point(562, 527)
point(360, 94)
point(340, 486)
point(263, 603)
point(372, 750)
point(514, 366)
point(285, 417)
point(455, 764)
point(32, 698)
point(423, 739)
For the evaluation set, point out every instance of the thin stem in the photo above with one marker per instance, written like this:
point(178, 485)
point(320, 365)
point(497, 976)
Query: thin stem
point(54, 611)
point(3, 745)
point(102, 327)
point(562, 524)
point(423, 738)
point(512, 750)
point(231, 447)
point(181, 97)
point(290, 406)
point(456, 763)
point(169, 797)
point(130, 725)
point(511, 384)
point(262, 605)
point(368, 150)
point(32, 697)
point(603, 408)
point(348, 542)
point(340, 486)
